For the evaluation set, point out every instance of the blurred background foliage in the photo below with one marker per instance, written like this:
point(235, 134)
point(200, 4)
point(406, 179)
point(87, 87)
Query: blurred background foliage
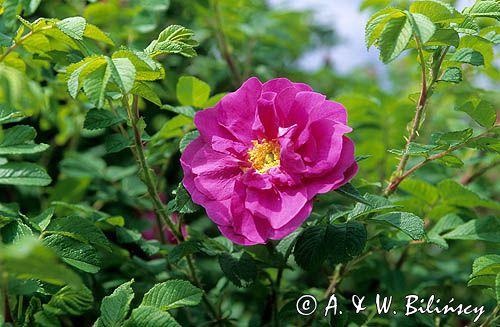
point(94, 175)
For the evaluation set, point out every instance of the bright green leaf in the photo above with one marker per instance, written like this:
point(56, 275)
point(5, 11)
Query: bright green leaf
point(192, 91)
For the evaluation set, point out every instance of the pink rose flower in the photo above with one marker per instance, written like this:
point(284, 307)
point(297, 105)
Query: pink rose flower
point(263, 153)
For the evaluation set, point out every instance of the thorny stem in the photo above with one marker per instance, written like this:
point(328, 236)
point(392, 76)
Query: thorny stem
point(5, 298)
point(416, 122)
point(134, 117)
point(145, 170)
point(492, 317)
point(334, 280)
point(399, 179)
point(224, 46)
point(197, 282)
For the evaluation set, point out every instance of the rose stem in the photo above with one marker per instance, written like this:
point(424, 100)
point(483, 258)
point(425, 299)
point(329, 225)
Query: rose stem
point(134, 117)
point(422, 101)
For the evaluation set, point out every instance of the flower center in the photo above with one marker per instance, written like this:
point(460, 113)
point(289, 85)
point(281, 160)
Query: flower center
point(264, 155)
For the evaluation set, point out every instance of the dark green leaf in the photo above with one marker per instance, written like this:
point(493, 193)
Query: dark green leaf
point(339, 242)
point(241, 271)
point(188, 138)
point(115, 307)
point(482, 229)
point(147, 316)
point(406, 222)
point(452, 75)
point(75, 253)
point(23, 173)
point(172, 294)
point(99, 118)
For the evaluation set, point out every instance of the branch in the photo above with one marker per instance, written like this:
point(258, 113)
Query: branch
point(21, 40)
point(467, 179)
point(134, 117)
point(422, 101)
point(395, 183)
point(415, 122)
point(224, 46)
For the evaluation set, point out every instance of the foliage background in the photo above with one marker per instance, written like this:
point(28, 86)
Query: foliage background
point(94, 176)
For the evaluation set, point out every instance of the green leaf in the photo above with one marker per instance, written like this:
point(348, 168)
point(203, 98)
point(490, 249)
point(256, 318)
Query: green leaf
point(172, 294)
point(100, 118)
point(487, 144)
point(115, 307)
point(421, 190)
point(147, 69)
point(46, 319)
point(78, 228)
point(146, 316)
point(437, 11)
point(74, 253)
point(452, 138)
point(468, 26)
point(143, 90)
point(95, 84)
point(15, 232)
point(484, 113)
point(9, 114)
point(19, 140)
point(182, 250)
point(454, 193)
point(451, 160)
point(192, 91)
point(43, 219)
point(377, 204)
point(377, 22)
point(406, 222)
point(173, 128)
point(23, 173)
point(444, 37)
point(467, 56)
point(173, 39)
point(348, 190)
point(416, 149)
point(394, 38)
point(70, 301)
point(486, 272)
point(482, 229)
point(82, 165)
point(423, 27)
point(122, 72)
point(93, 32)
point(486, 265)
point(188, 138)
point(479, 44)
point(77, 72)
point(485, 9)
point(30, 260)
point(73, 27)
point(182, 202)
point(452, 75)
point(338, 242)
point(116, 143)
point(181, 110)
point(444, 224)
point(240, 270)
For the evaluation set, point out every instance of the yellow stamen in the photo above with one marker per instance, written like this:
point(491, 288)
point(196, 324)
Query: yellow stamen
point(264, 155)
